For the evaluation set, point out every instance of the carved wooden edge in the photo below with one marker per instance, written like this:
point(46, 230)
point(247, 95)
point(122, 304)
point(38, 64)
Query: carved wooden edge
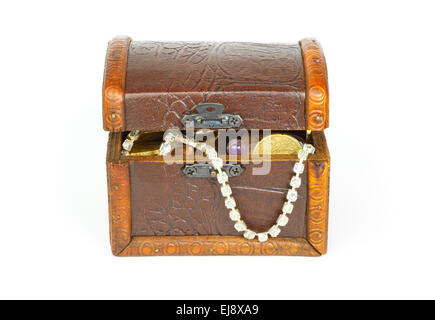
point(114, 84)
point(318, 197)
point(316, 79)
point(216, 245)
point(118, 184)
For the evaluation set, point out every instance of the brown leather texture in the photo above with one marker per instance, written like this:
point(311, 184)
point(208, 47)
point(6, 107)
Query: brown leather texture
point(263, 83)
point(166, 203)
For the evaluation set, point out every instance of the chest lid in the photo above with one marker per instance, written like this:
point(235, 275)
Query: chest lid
point(158, 85)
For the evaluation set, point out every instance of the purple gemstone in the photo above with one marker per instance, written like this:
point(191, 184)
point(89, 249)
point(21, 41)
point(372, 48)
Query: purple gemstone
point(236, 147)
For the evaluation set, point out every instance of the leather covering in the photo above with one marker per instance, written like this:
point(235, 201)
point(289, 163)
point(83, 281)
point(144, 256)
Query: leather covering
point(263, 83)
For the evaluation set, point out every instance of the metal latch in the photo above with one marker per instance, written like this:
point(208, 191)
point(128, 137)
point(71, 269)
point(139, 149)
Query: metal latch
point(210, 116)
point(205, 170)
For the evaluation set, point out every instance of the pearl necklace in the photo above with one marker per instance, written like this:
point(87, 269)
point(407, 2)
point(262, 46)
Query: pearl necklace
point(171, 138)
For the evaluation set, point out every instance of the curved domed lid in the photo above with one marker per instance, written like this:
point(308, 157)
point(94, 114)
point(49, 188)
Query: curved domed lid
point(155, 85)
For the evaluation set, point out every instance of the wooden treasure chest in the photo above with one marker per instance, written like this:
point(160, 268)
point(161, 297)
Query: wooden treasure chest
point(216, 148)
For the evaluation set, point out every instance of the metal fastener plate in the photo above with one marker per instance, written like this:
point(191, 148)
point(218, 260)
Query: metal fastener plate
point(205, 170)
point(211, 116)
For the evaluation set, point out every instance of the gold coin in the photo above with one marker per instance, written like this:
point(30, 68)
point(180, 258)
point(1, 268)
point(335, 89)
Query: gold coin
point(148, 144)
point(277, 143)
point(146, 148)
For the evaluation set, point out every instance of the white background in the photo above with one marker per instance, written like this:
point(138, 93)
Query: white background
point(54, 223)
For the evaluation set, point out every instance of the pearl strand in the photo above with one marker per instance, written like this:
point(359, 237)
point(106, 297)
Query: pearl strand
point(230, 203)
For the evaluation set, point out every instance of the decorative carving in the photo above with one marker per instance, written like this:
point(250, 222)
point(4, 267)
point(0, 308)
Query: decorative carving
point(263, 83)
point(216, 245)
point(241, 76)
point(114, 84)
point(317, 207)
point(317, 97)
point(119, 205)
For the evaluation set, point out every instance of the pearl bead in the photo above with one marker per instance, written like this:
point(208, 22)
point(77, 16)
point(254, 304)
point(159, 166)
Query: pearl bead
point(240, 226)
point(292, 195)
point(202, 147)
point(295, 182)
point(235, 215)
point(226, 190)
point(165, 148)
point(249, 234)
point(134, 135)
point(169, 137)
point(287, 207)
point(302, 154)
point(222, 177)
point(127, 145)
point(262, 237)
point(282, 220)
point(210, 152)
point(274, 231)
point(309, 148)
point(217, 163)
point(230, 203)
point(298, 168)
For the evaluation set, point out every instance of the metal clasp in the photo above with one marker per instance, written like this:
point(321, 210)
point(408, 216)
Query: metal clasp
point(210, 116)
point(205, 170)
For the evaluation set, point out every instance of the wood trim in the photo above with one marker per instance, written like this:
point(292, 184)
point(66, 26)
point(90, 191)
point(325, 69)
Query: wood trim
point(318, 197)
point(318, 140)
point(119, 205)
point(114, 146)
point(114, 84)
point(316, 91)
point(216, 245)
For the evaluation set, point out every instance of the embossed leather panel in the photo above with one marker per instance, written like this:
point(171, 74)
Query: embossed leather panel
point(264, 83)
point(165, 203)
